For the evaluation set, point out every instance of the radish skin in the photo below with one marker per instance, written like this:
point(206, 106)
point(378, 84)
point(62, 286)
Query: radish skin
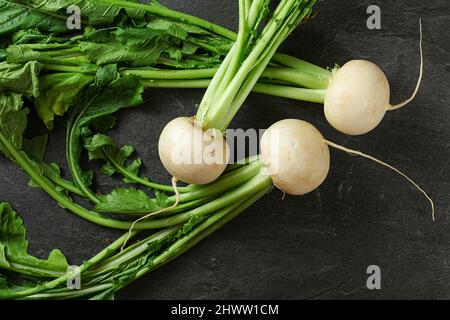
point(295, 154)
point(192, 155)
point(357, 98)
point(297, 158)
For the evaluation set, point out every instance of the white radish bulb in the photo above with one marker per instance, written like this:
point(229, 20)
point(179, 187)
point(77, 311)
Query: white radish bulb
point(192, 155)
point(357, 98)
point(296, 155)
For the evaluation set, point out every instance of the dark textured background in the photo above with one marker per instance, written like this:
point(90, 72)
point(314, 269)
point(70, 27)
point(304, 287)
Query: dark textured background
point(320, 245)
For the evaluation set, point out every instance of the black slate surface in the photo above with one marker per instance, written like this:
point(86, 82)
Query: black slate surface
point(318, 246)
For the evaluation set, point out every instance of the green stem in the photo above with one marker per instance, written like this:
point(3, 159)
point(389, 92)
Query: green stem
point(63, 183)
point(140, 180)
point(283, 91)
point(212, 224)
point(159, 74)
point(65, 294)
point(299, 64)
point(307, 95)
point(31, 270)
point(160, 78)
point(249, 188)
point(224, 183)
point(62, 52)
point(177, 84)
point(300, 78)
point(60, 198)
point(251, 79)
point(107, 252)
point(72, 163)
point(63, 68)
point(218, 114)
point(130, 253)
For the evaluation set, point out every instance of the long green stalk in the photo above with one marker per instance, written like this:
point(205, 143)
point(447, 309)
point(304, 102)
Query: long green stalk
point(232, 196)
point(283, 91)
point(200, 233)
point(251, 187)
point(209, 226)
point(144, 182)
point(102, 265)
point(231, 84)
point(86, 265)
point(228, 181)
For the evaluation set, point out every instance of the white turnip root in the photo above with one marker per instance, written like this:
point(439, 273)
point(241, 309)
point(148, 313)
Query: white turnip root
point(192, 155)
point(358, 96)
point(296, 156)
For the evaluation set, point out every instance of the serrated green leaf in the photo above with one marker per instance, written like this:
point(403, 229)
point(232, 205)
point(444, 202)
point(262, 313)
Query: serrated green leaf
point(102, 147)
point(16, 15)
point(24, 53)
point(134, 55)
point(162, 199)
point(34, 36)
point(94, 145)
point(127, 201)
point(97, 12)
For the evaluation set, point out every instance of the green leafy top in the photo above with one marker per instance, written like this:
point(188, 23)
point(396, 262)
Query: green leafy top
point(21, 78)
point(14, 248)
point(19, 15)
point(100, 146)
point(13, 120)
point(57, 94)
point(92, 106)
point(98, 12)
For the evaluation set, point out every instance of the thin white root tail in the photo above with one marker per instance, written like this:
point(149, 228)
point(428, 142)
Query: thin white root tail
point(177, 202)
point(419, 81)
point(358, 153)
point(281, 189)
